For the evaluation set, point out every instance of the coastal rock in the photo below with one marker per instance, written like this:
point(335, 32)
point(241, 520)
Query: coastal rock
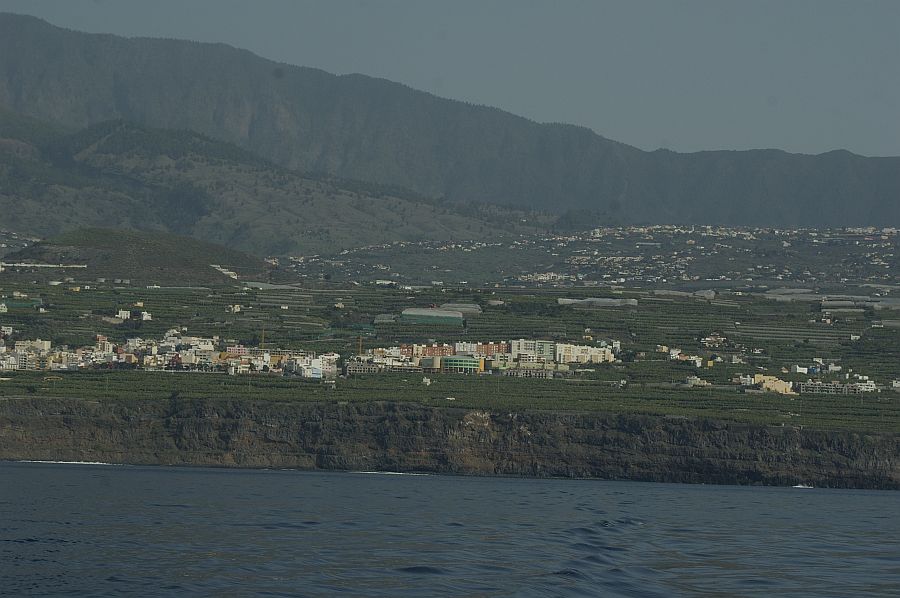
point(409, 437)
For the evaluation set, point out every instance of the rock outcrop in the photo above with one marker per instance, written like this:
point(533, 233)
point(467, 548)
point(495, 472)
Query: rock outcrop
point(415, 438)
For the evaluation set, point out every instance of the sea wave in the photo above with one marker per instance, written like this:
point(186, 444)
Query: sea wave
point(390, 473)
point(67, 462)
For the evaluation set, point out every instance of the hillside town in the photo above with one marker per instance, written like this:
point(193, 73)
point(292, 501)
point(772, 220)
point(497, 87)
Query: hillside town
point(176, 350)
point(635, 256)
point(522, 358)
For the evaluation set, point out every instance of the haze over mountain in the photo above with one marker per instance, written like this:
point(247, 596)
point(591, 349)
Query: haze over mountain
point(117, 174)
point(356, 127)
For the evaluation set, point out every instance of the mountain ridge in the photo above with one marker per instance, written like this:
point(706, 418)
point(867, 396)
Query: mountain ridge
point(363, 128)
point(122, 175)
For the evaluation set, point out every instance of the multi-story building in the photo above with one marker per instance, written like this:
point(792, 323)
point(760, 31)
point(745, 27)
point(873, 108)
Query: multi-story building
point(462, 364)
point(361, 367)
point(481, 349)
point(837, 388)
point(35, 345)
point(566, 353)
point(441, 350)
point(532, 350)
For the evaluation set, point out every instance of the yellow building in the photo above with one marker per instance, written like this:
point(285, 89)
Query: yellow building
point(773, 384)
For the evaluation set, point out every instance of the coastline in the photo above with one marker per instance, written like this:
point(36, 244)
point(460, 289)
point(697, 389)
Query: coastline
point(390, 438)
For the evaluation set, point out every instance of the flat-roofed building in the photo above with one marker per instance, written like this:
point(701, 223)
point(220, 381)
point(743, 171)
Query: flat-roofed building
point(431, 316)
point(532, 350)
point(462, 364)
point(467, 309)
point(566, 353)
point(481, 349)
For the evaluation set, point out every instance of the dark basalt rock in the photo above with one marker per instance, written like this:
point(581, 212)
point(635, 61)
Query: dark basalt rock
point(416, 438)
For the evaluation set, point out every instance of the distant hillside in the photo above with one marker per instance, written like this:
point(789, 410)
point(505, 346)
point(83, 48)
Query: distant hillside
point(361, 128)
point(120, 175)
point(146, 257)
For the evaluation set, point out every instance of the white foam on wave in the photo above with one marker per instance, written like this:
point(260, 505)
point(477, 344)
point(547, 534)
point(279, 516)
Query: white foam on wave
point(66, 462)
point(390, 473)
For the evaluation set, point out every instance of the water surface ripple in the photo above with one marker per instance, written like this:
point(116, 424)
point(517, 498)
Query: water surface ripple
point(98, 530)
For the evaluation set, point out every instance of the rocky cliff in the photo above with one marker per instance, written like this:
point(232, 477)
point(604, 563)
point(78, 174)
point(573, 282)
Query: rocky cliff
point(416, 438)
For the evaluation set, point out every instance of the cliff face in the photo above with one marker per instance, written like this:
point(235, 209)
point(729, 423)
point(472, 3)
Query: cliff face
point(409, 437)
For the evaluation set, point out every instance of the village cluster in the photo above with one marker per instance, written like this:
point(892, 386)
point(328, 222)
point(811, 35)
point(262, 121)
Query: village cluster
point(176, 350)
point(635, 256)
point(524, 358)
point(824, 370)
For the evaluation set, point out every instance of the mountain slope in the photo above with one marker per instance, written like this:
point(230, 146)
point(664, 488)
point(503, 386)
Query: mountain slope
point(374, 130)
point(145, 257)
point(117, 174)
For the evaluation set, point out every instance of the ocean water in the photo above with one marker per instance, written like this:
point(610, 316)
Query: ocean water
point(88, 530)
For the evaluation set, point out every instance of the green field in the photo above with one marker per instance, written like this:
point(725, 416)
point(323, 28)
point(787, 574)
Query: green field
point(307, 318)
point(874, 413)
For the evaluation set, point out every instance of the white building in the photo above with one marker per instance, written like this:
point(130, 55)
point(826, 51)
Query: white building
point(532, 350)
point(566, 353)
point(36, 345)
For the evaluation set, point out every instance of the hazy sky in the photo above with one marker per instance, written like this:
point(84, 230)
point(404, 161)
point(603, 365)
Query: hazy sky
point(801, 75)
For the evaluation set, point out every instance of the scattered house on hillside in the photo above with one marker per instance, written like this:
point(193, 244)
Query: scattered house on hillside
point(773, 384)
point(714, 341)
point(837, 388)
point(696, 381)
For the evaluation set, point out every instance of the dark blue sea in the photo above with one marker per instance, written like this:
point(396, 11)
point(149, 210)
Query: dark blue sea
point(91, 530)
